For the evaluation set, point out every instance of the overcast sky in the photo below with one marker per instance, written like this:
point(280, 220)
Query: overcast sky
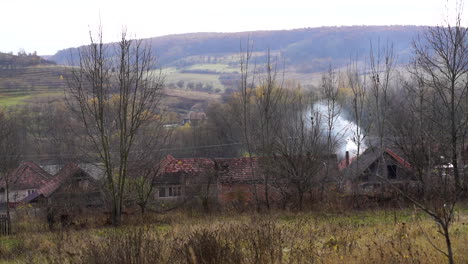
point(46, 26)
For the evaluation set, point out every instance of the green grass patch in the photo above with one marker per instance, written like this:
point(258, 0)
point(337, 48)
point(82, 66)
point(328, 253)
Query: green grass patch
point(212, 79)
point(9, 242)
point(218, 68)
point(14, 99)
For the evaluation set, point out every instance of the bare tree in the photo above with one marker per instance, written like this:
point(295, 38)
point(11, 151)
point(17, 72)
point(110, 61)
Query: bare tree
point(207, 183)
point(298, 162)
point(148, 162)
point(431, 123)
point(422, 144)
point(115, 93)
point(330, 93)
point(269, 95)
point(357, 82)
point(381, 63)
point(242, 109)
point(330, 114)
point(9, 157)
point(441, 64)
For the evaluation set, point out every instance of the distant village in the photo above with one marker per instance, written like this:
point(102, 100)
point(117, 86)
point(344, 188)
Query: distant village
point(61, 191)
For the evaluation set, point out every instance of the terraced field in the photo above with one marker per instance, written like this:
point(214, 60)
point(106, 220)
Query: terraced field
point(20, 84)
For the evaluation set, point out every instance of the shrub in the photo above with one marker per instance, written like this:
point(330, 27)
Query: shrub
point(209, 247)
point(130, 246)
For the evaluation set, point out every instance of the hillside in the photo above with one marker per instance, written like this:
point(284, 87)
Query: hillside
point(24, 79)
point(24, 84)
point(10, 61)
point(307, 50)
point(25, 76)
point(209, 61)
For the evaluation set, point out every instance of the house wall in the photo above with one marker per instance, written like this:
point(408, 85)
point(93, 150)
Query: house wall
point(379, 169)
point(15, 195)
point(173, 195)
point(240, 194)
point(243, 194)
point(74, 195)
point(186, 191)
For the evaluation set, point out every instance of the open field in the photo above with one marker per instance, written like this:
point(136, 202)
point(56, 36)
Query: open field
point(23, 85)
point(211, 79)
point(382, 236)
point(195, 95)
point(19, 85)
point(20, 99)
point(215, 67)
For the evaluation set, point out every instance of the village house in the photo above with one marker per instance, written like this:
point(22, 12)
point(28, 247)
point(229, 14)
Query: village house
point(374, 169)
point(226, 181)
point(25, 180)
point(71, 188)
point(183, 178)
point(218, 180)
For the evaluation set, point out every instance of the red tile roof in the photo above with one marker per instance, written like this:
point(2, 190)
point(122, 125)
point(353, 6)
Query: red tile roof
point(230, 169)
point(61, 177)
point(368, 157)
point(187, 165)
point(28, 176)
point(239, 169)
point(399, 159)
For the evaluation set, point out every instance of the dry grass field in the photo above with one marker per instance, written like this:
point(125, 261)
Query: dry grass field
point(381, 236)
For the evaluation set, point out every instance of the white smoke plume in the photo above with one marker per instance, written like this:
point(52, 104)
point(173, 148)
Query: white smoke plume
point(343, 131)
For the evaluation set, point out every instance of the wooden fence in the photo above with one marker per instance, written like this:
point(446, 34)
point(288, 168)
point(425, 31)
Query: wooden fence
point(5, 226)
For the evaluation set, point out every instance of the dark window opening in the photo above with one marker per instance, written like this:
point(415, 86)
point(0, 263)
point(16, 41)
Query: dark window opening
point(392, 171)
point(162, 192)
point(173, 191)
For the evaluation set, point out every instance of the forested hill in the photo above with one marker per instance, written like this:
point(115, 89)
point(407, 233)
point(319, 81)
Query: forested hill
point(305, 50)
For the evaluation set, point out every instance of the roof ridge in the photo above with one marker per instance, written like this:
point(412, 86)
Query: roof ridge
point(397, 157)
point(60, 177)
point(36, 168)
point(68, 165)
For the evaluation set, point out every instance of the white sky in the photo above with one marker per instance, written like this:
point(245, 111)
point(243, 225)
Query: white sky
point(46, 26)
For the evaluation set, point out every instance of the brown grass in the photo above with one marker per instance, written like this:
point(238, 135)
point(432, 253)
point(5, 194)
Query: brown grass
point(196, 95)
point(280, 237)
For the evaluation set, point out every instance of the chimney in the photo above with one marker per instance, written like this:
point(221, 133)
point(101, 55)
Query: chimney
point(347, 158)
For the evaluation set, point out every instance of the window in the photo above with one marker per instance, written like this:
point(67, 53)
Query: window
point(31, 192)
point(162, 192)
point(392, 171)
point(172, 191)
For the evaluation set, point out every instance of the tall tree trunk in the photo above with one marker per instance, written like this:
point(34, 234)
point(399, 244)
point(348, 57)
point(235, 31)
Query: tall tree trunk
point(116, 214)
point(7, 192)
point(448, 243)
